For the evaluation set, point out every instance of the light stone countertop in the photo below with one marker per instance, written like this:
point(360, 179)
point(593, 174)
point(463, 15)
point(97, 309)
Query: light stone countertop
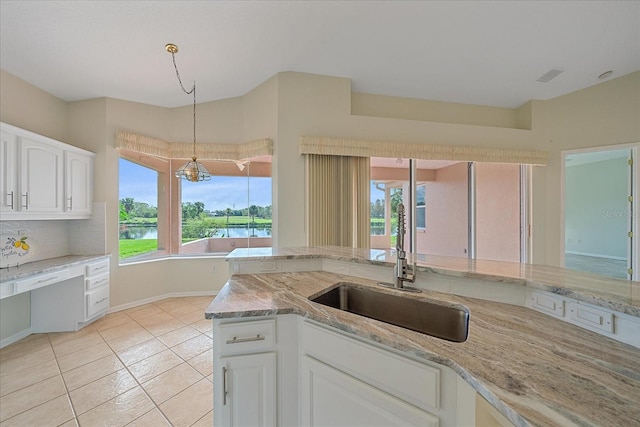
point(616, 294)
point(45, 266)
point(536, 370)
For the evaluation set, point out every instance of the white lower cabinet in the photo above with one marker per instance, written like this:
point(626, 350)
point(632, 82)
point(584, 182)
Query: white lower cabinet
point(249, 390)
point(330, 397)
point(289, 371)
point(245, 373)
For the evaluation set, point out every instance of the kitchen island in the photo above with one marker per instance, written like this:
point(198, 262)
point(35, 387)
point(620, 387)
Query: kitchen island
point(532, 368)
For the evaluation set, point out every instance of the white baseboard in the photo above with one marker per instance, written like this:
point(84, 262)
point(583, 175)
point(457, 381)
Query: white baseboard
point(617, 258)
point(159, 298)
point(15, 337)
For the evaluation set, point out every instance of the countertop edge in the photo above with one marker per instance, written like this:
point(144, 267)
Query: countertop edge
point(46, 266)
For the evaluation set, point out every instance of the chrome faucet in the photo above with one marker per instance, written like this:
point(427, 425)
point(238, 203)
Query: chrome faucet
point(401, 270)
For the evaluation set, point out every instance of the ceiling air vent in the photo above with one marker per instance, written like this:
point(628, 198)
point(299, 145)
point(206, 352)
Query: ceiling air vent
point(550, 75)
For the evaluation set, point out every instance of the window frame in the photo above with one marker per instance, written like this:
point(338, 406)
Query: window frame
point(169, 202)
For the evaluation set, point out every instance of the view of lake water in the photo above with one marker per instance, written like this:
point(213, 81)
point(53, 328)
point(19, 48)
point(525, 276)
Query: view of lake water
point(151, 232)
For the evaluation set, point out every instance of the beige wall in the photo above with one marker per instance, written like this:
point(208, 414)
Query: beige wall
point(28, 107)
point(366, 104)
point(290, 105)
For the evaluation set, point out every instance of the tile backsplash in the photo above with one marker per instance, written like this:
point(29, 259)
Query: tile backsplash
point(89, 236)
point(55, 238)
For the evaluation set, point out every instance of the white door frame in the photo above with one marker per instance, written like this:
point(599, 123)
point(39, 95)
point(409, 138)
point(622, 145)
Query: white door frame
point(634, 246)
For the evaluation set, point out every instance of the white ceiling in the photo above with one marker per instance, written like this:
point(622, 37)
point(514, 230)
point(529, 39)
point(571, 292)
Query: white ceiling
point(475, 52)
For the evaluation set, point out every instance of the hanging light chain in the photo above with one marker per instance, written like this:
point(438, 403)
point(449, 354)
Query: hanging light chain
point(173, 49)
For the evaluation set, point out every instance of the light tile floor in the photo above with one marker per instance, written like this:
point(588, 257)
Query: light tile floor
point(150, 365)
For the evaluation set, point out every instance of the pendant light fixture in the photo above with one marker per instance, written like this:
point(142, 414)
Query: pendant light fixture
point(193, 170)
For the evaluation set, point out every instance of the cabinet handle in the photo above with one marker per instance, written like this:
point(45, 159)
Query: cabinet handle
point(11, 195)
point(224, 386)
point(102, 300)
point(26, 200)
point(47, 280)
point(237, 340)
point(100, 282)
point(70, 203)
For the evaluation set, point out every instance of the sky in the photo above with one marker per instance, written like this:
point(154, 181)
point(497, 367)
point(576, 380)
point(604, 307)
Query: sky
point(221, 192)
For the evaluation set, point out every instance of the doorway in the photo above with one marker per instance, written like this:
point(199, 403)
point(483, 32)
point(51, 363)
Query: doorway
point(599, 211)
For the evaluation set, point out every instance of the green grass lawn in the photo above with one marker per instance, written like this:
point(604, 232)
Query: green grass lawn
point(131, 247)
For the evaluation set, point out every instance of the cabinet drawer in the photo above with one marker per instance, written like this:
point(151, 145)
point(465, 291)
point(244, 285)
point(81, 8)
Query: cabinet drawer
point(247, 336)
point(6, 289)
point(591, 316)
point(97, 301)
point(546, 303)
point(411, 381)
point(96, 281)
point(97, 268)
point(40, 281)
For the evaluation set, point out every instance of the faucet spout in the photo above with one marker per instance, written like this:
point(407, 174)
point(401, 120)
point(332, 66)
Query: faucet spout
point(402, 272)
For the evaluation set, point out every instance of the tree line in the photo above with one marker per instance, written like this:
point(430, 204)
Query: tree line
point(129, 208)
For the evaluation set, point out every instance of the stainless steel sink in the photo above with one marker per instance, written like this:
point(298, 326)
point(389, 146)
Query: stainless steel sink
point(441, 321)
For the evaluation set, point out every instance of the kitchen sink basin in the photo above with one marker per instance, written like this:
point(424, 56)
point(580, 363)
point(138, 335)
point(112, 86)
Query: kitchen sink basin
point(441, 321)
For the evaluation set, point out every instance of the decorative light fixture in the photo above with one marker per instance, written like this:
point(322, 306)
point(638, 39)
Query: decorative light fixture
point(193, 170)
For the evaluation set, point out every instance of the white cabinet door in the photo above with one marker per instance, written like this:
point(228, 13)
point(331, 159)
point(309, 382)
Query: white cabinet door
point(249, 390)
point(40, 177)
point(78, 183)
point(330, 397)
point(8, 172)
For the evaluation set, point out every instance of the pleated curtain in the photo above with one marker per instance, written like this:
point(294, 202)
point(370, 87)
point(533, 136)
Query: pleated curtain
point(338, 201)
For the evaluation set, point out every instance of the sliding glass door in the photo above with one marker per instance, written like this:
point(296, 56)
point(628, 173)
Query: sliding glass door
point(460, 209)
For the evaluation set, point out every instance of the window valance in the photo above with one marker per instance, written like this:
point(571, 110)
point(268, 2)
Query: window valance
point(183, 150)
point(364, 148)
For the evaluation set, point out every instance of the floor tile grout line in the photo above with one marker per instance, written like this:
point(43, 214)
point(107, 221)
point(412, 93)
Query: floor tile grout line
point(64, 383)
point(46, 401)
point(184, 360)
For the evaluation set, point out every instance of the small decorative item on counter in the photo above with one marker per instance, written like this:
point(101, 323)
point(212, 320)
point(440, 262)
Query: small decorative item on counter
point(15, 249)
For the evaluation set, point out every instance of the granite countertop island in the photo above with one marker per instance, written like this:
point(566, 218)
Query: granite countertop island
point(616, 294)
point(534, 369)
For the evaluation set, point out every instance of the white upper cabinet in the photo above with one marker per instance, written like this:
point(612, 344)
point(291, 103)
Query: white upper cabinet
point(42, 178)
point(8, 172)
point(78, 182)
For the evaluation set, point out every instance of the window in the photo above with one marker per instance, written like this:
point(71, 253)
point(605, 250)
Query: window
point(161, 215)
point(421, 211)
point(138, 203)
point(233, 210)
